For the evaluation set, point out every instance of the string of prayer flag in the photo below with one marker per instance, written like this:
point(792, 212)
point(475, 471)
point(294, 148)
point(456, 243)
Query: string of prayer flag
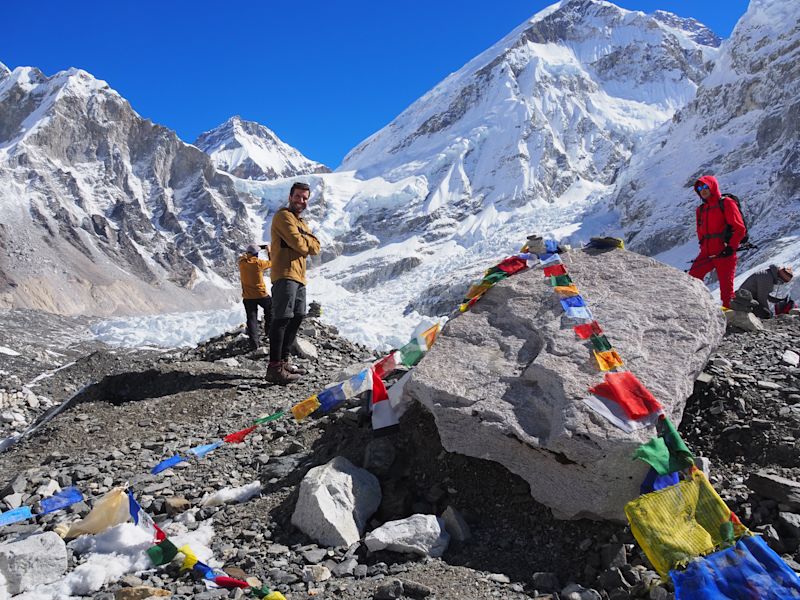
point(144, 521)
point(572, 302)
point(63, 499)
point(559, 280)
point(567, 290)
point(331, 397)
point(608, 360)
point(162, 553)
point(167, 463)
point(630, 393)
point(587, 330)
point(578, 312)
point(201, 451)
point(301, 410)
point(273, 417)
point(557, 269)
point(15, 515)
point(239, 436)
point(600, 343)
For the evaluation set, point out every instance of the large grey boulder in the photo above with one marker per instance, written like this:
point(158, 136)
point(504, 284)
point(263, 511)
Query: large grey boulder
point(506, 381)
point(335, 501)
point(424, 535)
point(33, 561)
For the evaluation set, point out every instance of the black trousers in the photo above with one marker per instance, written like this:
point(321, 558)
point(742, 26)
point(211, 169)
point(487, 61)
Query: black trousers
point(251, 310)
point(289, 308)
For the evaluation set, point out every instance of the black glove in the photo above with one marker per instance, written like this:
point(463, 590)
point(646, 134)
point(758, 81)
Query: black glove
point(727, 251)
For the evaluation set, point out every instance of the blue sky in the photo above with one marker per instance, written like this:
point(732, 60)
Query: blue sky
point(322, 75)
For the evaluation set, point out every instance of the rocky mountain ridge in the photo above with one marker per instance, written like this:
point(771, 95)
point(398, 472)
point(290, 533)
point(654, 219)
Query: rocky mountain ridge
point(741, 128)
point(105, 212)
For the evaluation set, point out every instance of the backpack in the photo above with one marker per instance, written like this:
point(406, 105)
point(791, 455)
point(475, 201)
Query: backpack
point(782, 307)
point(728, 229)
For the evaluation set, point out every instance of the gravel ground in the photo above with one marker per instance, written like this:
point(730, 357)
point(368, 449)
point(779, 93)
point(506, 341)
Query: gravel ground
point(136, 408)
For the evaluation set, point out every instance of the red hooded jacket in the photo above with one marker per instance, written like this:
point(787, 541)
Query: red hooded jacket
point(714, 216)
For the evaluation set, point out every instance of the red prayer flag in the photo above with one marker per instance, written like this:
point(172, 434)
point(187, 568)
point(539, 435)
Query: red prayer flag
point(238, 437)
point(160, 535)
point(587, 330)
point(230, 582)
point(555, 270)
point(385, 365)
point(378, 388)
point(630, 393)
point(512, 265)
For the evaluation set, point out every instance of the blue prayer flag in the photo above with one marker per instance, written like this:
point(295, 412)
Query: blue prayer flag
point(63, 499)
point(331, 397)
point(572, 301)
point(166, 464)
point(201, 451)
point(578, 312)
point(204, 570)
point(654, 482)
point(551, 246)
point(750, 569)
point(15, 515)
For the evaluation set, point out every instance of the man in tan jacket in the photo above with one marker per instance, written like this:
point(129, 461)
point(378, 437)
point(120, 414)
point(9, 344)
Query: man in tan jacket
point(254, 291)
point(292, 242)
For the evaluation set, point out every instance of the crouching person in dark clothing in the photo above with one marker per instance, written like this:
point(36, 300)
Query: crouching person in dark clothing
point(292, 242)
point(761, 284)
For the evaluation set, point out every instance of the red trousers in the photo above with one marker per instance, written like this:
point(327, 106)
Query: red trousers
point(726, 269)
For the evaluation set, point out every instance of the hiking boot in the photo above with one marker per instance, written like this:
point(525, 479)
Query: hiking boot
point(277, 374)
point(292, 368)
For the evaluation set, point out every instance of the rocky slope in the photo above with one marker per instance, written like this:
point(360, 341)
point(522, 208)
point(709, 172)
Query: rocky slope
point(250, 150)
point(171, 401)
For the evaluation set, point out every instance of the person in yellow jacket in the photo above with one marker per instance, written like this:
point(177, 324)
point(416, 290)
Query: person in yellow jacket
point(254, 291)
point(292, 241)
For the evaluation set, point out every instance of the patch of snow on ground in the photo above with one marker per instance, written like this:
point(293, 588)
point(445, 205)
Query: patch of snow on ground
point(8, 351)
point(112, 554)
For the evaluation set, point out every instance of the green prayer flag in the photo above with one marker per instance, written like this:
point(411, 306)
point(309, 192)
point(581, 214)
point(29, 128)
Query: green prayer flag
point(495, 277)
point(272, 417)
point(556, 280)
point(678, 450)
point(162, 553)
point(666, 453)
point(261, 592)
point(600, 343)
point(411, 354)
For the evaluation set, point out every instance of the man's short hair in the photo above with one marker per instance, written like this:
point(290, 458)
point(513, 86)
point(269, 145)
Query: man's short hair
point(299, 185)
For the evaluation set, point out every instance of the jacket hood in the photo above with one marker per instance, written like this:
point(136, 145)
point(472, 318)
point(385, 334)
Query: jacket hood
point(773, 269)
point(713, 187)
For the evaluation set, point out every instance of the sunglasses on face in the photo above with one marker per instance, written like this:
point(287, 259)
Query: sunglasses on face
point(701, 187)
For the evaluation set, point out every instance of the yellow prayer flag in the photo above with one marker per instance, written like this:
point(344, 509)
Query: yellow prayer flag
point(681, 522)
point(190, 559)
point(567, 290)
point(477, 289)
point(608, 360)
point(305, 408)
point(274, 596)
point(112, 509)
point(429, 335)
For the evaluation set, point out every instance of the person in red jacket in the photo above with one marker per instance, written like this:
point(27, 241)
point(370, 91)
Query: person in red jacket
point(720, 230)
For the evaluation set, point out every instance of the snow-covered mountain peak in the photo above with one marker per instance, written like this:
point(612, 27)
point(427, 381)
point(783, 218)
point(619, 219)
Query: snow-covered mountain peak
point(252, 151)
point(694, 28)
point(4, 70)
